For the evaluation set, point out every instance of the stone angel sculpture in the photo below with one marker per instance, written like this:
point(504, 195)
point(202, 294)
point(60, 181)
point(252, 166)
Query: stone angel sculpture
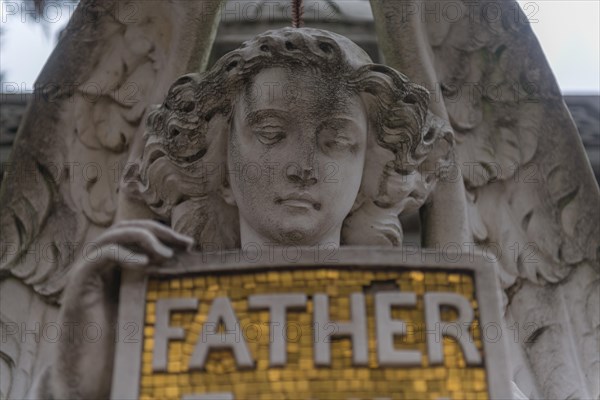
point(297, 137)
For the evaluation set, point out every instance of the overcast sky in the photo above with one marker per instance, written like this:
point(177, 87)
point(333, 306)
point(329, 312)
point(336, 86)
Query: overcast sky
point(569, 31)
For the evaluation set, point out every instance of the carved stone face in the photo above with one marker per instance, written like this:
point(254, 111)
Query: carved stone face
point(289, 111)
point(296, 156)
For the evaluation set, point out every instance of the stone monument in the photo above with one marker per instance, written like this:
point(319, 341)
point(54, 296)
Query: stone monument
point(137, 238)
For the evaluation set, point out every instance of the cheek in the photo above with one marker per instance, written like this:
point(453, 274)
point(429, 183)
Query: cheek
point(250, 176)
point(352, 167)
point(344, 184)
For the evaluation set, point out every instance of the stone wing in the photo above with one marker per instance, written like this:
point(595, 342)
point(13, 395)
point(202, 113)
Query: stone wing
point(85, 122)
point(531, 198)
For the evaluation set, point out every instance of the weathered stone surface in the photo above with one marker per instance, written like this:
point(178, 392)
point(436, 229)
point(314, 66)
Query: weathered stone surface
point(392, 149)
point(84, 121)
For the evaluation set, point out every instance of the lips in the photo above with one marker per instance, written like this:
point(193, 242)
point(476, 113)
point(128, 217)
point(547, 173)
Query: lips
point(298, 200)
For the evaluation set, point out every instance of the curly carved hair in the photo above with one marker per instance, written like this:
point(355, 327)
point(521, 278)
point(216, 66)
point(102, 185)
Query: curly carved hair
point(180, 173)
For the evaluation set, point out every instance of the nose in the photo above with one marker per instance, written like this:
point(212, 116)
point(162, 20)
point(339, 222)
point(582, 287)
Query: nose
point(301, 175)
point(301, 169)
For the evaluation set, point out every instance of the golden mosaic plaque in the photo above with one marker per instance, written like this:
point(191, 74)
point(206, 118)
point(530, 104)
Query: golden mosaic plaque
point(440, 321)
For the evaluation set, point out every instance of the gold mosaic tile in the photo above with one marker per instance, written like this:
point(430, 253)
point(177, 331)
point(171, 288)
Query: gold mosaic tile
point(300, 378)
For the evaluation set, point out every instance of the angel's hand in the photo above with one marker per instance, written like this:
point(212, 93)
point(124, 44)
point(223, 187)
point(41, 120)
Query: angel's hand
point(84, 363)
point(131, 244)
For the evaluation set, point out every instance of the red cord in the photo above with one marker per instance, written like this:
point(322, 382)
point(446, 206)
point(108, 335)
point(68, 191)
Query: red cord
point(297, 14)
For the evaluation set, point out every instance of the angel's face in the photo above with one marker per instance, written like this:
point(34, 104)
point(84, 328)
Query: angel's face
point(296, 156)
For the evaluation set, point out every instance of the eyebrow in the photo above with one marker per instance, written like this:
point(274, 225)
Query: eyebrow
point(337, 121)
point(254, 117)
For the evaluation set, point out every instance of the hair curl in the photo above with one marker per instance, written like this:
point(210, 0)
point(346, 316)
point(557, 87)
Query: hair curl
point(179, 174)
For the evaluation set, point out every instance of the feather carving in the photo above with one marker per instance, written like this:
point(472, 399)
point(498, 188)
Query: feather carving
point(529, 188)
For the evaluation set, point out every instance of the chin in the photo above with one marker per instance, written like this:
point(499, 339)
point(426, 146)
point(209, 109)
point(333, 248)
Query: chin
point(302, 234)
point(297, 235)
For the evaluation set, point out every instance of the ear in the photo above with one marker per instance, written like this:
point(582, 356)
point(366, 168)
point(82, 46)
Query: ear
point(227, 193)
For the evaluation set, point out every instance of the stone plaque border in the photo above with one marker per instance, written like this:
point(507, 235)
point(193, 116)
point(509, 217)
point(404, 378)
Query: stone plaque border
point(127, 368)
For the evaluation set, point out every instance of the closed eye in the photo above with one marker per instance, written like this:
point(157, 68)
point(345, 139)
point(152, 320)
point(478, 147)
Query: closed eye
point(334, 140)
point(339, 134)
point(269, 136)
point(340, 142)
